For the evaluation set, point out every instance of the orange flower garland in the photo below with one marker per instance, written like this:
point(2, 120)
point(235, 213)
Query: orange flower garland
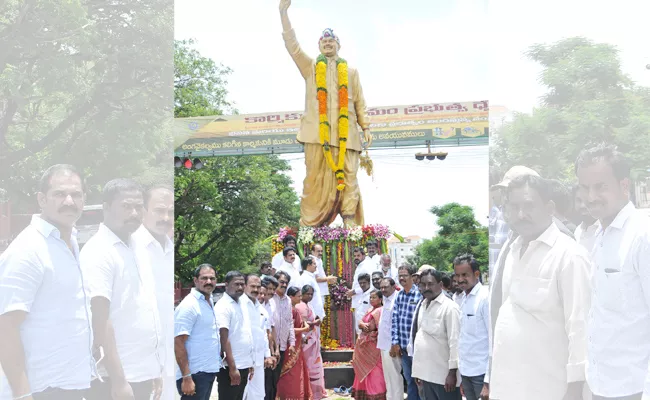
point(324, 125)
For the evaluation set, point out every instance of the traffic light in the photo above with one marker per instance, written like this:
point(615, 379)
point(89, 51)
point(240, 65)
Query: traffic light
point(188, 163)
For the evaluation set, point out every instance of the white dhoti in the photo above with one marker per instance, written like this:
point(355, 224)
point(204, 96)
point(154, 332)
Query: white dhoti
point(255, 389)
point(393, 376)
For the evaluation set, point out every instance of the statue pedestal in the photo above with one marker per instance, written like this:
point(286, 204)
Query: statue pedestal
point(337, 330)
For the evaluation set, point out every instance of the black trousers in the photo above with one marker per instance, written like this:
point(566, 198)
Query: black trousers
point(228, 391)
point(102, 390)
point(271, 378)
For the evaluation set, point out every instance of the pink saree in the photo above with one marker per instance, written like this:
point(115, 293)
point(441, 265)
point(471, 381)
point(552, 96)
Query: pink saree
point(294, 376)
point(369, 383)
point(311, 350)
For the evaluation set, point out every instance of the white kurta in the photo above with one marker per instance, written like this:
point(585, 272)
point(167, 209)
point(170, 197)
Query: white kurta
point(540, 334)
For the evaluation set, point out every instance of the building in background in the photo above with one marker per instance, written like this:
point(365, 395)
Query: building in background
point(400, 251)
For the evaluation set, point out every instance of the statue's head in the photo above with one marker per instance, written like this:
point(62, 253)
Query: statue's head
point(329, 43)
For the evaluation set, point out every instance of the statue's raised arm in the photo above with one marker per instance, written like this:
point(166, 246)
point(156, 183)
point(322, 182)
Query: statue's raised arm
point(302, 60)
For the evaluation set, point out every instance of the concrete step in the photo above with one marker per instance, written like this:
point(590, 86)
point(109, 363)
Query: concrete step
point(338, 374)
point(344, 355)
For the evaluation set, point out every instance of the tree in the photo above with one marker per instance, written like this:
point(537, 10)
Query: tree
point(83, 82)
point(589, 100)
point(225, 210)
point(459, 233)
point(199, 83)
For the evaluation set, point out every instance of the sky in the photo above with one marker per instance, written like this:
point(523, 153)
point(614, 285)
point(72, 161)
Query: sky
point(409, 52)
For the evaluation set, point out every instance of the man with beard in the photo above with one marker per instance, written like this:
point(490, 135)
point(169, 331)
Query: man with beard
point(261, 328)
point(457, 296)
point(405, 304)
point(619, 319)
point(196, 341)
point(125, 314)
point(45, 350)
point(233, 313)
point(585, 232)
point(474, 342)
point(546, 295)
point(435, 330)
point(386, 267)
point(155, 248)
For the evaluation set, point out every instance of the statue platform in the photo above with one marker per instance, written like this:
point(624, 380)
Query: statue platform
point(337, 330)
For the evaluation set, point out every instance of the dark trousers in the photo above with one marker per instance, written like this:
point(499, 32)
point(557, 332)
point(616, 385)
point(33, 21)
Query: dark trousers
point(412, 387)
point(102, 390)
point(228, 391)
point(271, 378)
point(60, 394)
point(472, 386)
point(203, 382)
point(433, 391)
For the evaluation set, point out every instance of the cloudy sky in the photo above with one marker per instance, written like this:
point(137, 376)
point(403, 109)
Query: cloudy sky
point(409, 52)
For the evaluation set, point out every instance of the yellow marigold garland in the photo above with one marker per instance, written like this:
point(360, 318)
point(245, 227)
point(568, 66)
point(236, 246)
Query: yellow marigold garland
point(343, 120)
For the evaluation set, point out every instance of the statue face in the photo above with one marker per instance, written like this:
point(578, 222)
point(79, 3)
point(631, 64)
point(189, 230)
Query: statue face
point(328, 47)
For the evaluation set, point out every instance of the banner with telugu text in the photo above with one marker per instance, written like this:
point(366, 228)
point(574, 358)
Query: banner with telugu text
point(463, 123)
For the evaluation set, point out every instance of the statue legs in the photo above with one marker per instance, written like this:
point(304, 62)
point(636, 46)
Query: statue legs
point(320, 201)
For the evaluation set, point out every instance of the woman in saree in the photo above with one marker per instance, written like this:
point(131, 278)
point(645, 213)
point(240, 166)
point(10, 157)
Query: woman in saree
point(311, 345)
point(294, 376)
point(369, 383)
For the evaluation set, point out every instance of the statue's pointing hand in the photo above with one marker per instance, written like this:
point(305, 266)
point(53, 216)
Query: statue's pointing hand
point(284, 5)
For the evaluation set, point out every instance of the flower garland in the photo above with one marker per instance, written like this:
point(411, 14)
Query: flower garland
point(343, 121)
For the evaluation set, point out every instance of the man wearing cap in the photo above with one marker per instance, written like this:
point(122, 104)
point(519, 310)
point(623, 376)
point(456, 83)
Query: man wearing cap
point(324, 194)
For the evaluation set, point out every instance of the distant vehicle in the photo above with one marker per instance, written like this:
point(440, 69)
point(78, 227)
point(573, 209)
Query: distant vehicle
point(88, 223)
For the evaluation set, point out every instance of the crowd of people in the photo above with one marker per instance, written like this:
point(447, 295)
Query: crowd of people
point(569, 300)
point(89, 323)
point(267, 327)
point(566, 315)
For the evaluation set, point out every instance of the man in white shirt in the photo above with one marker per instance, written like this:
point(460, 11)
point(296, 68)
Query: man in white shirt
point(585, 232)
point(546, 294)
point(361, 303)
point(386, 268)
point(269, 286)
point(234, 322)
point(619, 319)
point(458, 292)
point(392, 365)
point(308, 277)
point(474, 342)
point(289, 266)
point(125, 315)
point(371, 245)
point(322, 278)
point(364, 266)
point(289, 242)
point(45, 323)
point(260, 326)
point(434, 340)
point(154, 245)
point(196, 341)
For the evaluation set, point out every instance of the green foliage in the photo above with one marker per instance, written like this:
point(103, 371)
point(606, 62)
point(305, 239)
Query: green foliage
point(80, 83)
point(589, 100)
point(226, 209)
point(199, 83)
point(459, 233)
